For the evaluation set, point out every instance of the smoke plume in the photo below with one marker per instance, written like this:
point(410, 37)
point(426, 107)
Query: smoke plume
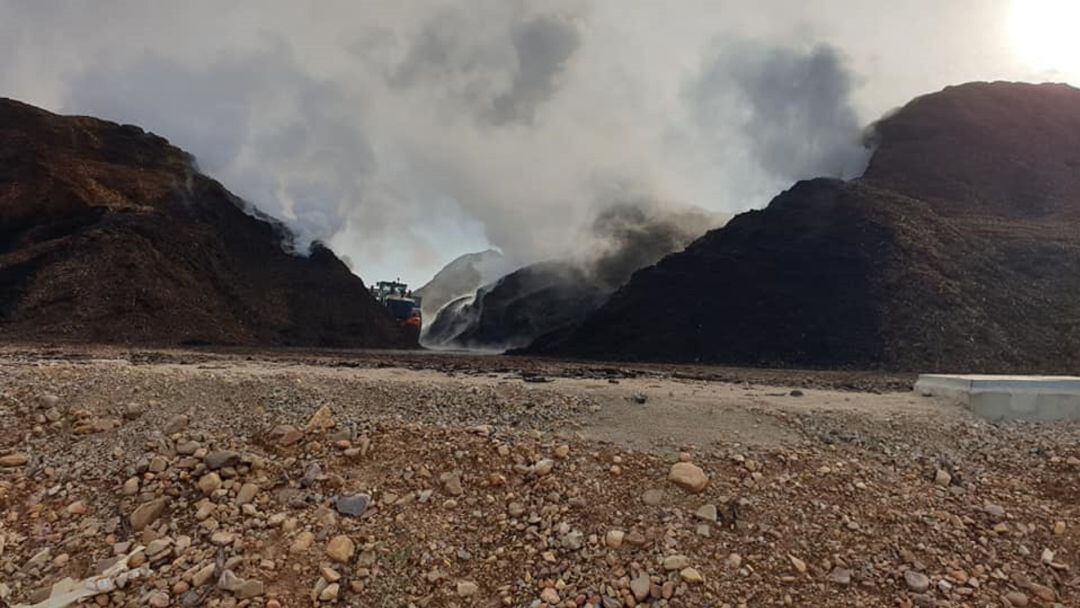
point(407, 135)
point(792, 107)
point(554, 295)
point(626, 237)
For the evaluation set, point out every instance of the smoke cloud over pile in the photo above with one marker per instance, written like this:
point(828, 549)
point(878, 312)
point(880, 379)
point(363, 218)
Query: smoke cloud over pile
point(626, 237)
point(552, 296)
point(503, 79)
point(793, 108)
point(404, 134)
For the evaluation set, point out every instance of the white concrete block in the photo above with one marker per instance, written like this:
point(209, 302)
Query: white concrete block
point(1035, 398)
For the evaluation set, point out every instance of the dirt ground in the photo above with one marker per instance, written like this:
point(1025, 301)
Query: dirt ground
point(504, 481)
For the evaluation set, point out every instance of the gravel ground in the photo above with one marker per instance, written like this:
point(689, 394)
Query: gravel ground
point(295, 478)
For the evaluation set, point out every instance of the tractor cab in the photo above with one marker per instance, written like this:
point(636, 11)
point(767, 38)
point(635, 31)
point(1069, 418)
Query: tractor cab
point(399, 302)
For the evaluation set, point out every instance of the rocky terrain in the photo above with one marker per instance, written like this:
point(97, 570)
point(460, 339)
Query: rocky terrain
point(958, 250)
point(108, 234)
point(173, 478)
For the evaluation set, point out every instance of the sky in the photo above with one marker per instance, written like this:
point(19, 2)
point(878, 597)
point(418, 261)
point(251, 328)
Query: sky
point(404, 134)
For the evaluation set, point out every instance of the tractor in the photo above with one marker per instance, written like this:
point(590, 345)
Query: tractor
point(400, 302)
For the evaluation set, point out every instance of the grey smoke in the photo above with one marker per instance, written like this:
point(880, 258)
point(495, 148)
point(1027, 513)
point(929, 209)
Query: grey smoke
point(551, 295)
point(461, 277)
point(455, 53)
point(793, 107)
point(631, 236)
point(542, 45)
point(407, 135)
point(286, 142)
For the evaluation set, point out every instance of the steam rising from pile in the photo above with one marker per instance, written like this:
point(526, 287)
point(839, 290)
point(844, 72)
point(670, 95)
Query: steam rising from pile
point(629, 236)
point(406, 135)
point(556, 295)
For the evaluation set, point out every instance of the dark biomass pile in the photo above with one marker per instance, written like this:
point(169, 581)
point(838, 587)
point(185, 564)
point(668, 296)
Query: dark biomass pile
point(109, 234)
point(959, 250)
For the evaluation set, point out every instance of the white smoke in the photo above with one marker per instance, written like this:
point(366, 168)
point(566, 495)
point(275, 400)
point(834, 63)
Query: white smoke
point(405, 133)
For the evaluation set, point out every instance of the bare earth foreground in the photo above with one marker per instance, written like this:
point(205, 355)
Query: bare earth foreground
point(294, 478)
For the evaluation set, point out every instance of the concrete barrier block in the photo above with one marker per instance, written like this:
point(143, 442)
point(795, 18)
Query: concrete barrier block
point(1033, 398)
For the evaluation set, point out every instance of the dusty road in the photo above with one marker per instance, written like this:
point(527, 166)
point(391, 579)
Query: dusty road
point(493, 481)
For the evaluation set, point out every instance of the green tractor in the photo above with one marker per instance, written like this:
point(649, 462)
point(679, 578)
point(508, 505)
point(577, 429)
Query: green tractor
point(400, 301)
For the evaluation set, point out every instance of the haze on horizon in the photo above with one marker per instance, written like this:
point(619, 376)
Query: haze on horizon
point(405, 134)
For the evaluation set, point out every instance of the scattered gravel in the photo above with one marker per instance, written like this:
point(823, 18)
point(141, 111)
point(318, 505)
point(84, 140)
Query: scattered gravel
point(268, 484)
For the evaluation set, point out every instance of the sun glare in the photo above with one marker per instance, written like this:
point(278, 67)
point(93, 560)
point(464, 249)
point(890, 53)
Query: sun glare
point(1046, 34)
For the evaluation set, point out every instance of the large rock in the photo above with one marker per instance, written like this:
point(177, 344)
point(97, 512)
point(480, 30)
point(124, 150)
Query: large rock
point(640, 586)
point(221, 458)
point(341, 549)
point(688, 476)
point(352, 505)
point(916, 581)
point(321, 420)
point(467, 588)
point(209, 483)
point(13, 460)
point(147, 513)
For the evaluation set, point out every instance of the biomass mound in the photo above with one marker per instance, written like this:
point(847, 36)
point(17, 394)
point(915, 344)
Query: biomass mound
point(109, 234)
point(958, 250)
point(463, 276)
point(556, 295)
point(524, 304)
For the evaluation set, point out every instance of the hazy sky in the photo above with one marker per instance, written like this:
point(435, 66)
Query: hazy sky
point(406, 133)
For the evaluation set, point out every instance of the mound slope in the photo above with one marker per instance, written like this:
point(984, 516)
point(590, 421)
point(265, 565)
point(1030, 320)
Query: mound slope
point(109, 234)
point(462, 276)
point(553, 296)
point(959, 249)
